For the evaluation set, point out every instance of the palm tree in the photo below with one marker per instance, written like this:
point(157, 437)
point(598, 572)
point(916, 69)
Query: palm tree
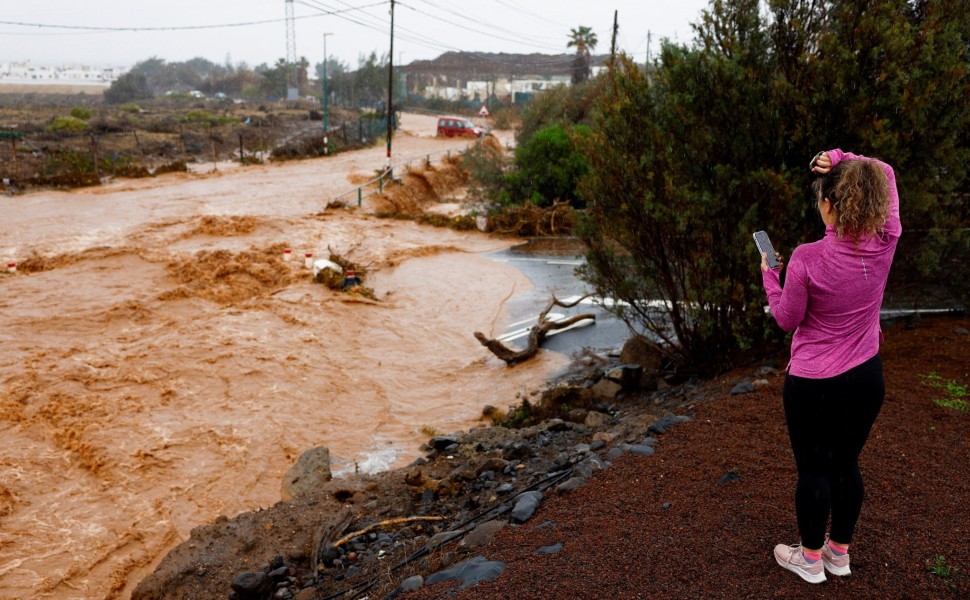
point(584, 40)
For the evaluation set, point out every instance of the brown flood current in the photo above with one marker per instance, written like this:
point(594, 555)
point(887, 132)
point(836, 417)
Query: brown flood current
point(161, 365)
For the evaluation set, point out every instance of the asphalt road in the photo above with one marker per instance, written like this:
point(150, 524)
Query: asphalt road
point(555, 274)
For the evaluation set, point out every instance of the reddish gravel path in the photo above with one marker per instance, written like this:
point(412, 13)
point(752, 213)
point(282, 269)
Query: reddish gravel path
point(715, 540)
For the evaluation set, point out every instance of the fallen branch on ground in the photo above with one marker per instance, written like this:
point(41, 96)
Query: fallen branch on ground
point(537, 334)
point(373, 526)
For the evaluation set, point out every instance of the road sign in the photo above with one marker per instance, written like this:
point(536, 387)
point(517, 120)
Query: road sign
point(484, 112)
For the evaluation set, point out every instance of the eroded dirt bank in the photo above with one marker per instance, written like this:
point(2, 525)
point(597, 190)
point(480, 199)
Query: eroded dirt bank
point(159, 368)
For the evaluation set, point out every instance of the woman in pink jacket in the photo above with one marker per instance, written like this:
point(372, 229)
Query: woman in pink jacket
point(834, 389)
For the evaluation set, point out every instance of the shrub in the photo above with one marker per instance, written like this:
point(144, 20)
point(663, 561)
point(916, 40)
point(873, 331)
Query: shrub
point(67, 124)
point(548, 168)
point(80, 112)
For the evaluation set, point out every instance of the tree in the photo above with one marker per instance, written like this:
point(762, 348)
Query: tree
point(128, 88)
point(584, 40)
point(686, 165)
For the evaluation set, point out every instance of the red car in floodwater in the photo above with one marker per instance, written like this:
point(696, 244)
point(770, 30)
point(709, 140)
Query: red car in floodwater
point(458, 126)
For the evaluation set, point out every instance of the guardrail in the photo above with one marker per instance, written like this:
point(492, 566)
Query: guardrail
point(388, 174)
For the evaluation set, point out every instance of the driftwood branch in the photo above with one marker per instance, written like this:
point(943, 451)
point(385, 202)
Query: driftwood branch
point(537, 334)
point(373, 526)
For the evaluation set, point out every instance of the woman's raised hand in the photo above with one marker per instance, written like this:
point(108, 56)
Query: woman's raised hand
point(821, 164)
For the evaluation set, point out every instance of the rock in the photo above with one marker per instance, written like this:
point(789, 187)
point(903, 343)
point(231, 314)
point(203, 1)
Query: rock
point(628, 376)
point(525, 506)
point(614, 453)
point(494, 464)
point(577, 415)
point(765, 371)
point(589, 466)
point(665, 506)
point(729, 477)
point(597, 445)
point(664, 423)
point(553, 549)
point(505, 488)
point(639, 450)
point(250, 586)
point(649, 441)
point(442, 442)
point(412, 583)
point(639, 350)
point(571, 485)
point(744, 387)
point(596, 419)
point(517, 451)
point(483, 534)
point(760, 383)
point(487, 411)
point(581, 448)
point(555, 425)
point(442, 538)
point(469, 573)
point(961, 331)
point(604, 436)
point(311, 471)
point(605, 389)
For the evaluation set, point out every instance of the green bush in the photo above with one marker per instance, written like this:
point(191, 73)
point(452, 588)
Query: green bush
point(131, 107)
point(67, 124)
point(79, 112)
point(548, 168)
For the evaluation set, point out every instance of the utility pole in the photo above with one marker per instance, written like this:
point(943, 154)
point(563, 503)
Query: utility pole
point(648, 49)
point(326, 122)
point(616, 28)
point(292, 93)
point(390, 90)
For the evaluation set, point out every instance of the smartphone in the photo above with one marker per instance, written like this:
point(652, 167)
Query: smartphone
point(764, 246)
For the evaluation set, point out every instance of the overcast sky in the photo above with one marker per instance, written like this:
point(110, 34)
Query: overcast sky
point(55, 32)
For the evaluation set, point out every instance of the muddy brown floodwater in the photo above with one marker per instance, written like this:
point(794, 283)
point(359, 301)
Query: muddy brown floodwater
point(159, 368)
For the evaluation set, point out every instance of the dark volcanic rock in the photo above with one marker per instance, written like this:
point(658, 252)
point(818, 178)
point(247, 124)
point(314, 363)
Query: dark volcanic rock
point(470, 572)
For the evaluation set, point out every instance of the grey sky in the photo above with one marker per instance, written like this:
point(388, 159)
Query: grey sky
point(424, 28)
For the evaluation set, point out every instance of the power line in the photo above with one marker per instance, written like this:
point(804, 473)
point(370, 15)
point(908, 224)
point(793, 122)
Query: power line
point(175, 27)
point(481, 22)
point(438, 17)
point(381, 28)
point(416, 38)
point(533, 15)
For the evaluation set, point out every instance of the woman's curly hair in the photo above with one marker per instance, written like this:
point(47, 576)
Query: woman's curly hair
point(859, 191)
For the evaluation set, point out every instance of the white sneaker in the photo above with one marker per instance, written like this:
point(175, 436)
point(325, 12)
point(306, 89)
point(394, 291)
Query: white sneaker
point(792, 558)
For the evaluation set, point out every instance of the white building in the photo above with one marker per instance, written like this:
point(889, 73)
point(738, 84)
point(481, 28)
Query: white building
point(26, 73)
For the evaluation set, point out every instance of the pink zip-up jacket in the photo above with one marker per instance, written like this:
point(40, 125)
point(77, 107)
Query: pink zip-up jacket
point(833, 292)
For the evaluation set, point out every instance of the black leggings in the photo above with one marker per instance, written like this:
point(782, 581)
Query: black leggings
point(828, 422)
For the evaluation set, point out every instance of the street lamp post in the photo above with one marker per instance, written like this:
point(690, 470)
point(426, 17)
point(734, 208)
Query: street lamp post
point(326, 123)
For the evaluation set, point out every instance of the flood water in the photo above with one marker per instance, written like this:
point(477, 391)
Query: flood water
point(159, 369)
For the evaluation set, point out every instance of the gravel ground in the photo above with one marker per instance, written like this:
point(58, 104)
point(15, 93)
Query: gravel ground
point(663, 525)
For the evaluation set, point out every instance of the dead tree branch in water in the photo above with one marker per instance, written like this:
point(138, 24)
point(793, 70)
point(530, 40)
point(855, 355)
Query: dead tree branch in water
point(537, 334)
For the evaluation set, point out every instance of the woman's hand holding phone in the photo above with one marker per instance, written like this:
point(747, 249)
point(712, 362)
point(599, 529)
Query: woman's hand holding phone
point(764, 261)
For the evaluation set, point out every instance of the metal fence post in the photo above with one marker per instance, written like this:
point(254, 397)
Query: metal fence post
point(359, 197)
